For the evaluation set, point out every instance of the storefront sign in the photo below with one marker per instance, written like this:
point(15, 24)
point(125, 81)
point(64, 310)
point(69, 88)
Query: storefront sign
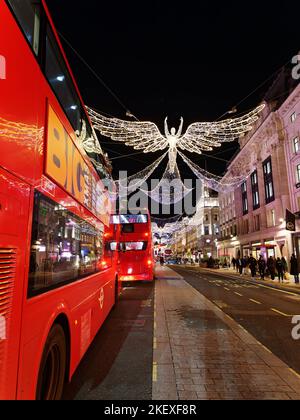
point(290, 221)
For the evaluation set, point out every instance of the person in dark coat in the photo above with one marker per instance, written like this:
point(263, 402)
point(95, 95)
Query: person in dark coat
point(295, 268)
point(262, 267)
point(239, 265)
point(233, 262)
point(252, 266)
point(280, 270)
point(272, 267)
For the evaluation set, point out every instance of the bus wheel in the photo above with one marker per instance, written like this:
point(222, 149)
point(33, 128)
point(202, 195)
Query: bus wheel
point(53, 366)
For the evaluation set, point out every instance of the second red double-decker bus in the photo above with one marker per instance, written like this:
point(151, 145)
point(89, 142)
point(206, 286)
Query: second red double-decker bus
point(58, 274)
point(136, 260)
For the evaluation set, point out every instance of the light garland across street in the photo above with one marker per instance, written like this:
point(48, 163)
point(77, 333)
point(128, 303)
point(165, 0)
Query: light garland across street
point(200, 136)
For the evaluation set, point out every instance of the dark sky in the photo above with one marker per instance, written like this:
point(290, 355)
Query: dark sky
point(195, 59)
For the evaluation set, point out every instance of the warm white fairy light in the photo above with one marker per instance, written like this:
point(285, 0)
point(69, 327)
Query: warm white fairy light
point(170, 189)
point(215, 182)
point(199, 136)
point(90, 144)
point(136, 181)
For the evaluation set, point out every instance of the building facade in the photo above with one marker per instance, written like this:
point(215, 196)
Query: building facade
point(198, 235)
point(290, 115)
point(253, 215)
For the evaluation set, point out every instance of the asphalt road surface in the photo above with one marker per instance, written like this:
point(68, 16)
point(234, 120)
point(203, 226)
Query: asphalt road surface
point(264, 312)
point(118, 365)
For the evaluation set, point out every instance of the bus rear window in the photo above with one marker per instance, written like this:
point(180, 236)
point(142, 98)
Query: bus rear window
point(128, 228)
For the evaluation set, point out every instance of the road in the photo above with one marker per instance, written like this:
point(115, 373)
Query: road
point(118, 366)
point(264, 312)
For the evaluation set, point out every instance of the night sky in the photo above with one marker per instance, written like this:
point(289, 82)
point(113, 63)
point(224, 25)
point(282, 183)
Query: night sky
point(195, 59)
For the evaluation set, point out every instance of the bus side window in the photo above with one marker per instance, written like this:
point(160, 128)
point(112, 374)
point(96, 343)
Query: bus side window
point(28, 15)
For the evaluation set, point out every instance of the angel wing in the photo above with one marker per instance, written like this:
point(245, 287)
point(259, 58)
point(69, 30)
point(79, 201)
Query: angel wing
point(139, 135)
point(205, 136)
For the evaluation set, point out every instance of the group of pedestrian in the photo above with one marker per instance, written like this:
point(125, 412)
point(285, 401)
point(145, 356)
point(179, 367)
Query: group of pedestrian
point(270, 267)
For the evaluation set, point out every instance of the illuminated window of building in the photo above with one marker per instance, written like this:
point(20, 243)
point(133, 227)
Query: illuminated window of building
point(255, 191)
point(298, 173)
point(293, 117)
point(245, 198)
point(268, 177)
point(296, 144)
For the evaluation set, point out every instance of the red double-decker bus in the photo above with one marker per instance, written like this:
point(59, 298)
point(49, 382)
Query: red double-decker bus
point(136, 259)
point(58, 275)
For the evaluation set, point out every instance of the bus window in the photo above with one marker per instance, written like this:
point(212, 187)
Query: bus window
point(133, 246)
point(27, 13)
point(64, 247)
point(128, 228)
point(59, 79)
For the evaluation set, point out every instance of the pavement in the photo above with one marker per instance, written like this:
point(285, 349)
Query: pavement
point(202, 353)
point(288, 284)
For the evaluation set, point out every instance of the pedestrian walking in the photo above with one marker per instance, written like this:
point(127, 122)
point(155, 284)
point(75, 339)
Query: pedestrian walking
point(280, 270)
point(262, 267)
point(295, 268)
point(239, 266)
point(252, 266)
point(233, 262)
point(272, 267)
point(245, 263)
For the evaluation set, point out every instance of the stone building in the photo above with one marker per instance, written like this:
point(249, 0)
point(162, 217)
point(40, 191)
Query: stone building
point(253, 215)
point(198, 235)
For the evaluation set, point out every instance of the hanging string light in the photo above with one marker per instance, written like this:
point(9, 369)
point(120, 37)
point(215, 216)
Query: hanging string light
point(214, 182)
point(134, 182)
point(170, 189)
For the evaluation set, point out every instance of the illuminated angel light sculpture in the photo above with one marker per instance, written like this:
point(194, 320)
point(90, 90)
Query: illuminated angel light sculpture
point(199, 137)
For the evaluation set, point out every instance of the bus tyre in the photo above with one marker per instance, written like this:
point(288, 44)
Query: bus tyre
point(53, 366)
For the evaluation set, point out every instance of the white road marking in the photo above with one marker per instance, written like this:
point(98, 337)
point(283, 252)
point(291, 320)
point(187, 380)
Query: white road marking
point(281, 313)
